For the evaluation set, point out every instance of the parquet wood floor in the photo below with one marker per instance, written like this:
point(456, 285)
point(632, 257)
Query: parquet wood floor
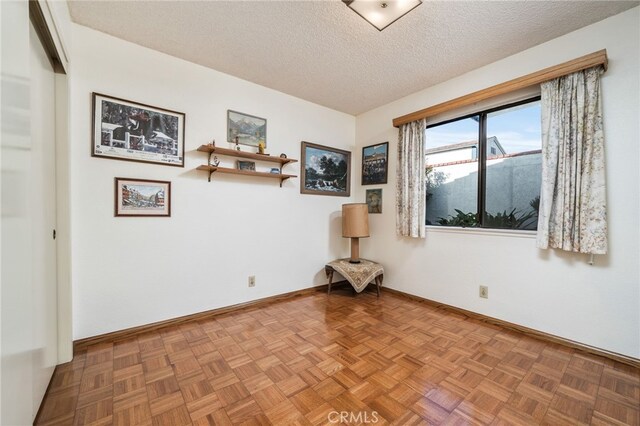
point(311, 359)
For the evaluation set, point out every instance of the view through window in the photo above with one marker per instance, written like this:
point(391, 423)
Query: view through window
point(503, 184)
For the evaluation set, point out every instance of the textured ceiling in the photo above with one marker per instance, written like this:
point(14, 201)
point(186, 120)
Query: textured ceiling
point(323, 52)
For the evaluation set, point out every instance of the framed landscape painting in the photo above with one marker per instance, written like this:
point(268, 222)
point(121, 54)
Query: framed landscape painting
point(325, 170)
point(250, 130)
point(125, 130)
point(142, 197)
point(374, 164)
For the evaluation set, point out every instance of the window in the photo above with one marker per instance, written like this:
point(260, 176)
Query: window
point(503, 184)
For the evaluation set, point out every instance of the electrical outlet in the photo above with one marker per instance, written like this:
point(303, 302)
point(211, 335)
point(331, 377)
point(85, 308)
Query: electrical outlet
point(484, 291)
point(252, 280)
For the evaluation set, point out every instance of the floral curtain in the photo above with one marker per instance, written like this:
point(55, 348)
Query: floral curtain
point(572, 214)
point(410, 182)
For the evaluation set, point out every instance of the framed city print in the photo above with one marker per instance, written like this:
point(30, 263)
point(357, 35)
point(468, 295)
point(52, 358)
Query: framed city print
point(248, 129)
point(374, 164)
point(142, 197)
point(325, 170)
point(131, 131)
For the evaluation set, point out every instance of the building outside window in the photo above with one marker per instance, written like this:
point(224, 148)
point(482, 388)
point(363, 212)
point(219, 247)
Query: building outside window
point(503, 185)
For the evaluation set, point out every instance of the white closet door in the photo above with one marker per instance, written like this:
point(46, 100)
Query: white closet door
point(42, 196)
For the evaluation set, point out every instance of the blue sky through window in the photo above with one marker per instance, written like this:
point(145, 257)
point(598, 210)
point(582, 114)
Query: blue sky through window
point(455, 132)
point(517, 129)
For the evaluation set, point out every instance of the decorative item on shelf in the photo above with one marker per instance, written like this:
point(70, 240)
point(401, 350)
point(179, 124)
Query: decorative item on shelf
point(355, 225)
point(215, 161)
point(246, 165)
point(283, 155)
point(275, 170)
point(261, 147)
point(237, 146)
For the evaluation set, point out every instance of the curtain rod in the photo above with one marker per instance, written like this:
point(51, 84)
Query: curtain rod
point(578, 64)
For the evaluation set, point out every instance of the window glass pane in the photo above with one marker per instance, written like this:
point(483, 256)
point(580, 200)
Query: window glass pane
point(452, 173)
point(513, 167)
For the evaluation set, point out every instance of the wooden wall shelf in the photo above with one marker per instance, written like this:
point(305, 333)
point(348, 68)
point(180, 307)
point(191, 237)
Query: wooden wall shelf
point(241, 154)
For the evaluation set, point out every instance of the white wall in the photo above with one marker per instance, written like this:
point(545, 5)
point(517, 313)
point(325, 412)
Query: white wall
point(550, 291)
point(133, 271)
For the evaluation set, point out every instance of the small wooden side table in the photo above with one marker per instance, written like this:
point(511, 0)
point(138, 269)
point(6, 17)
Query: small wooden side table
point(359, 275)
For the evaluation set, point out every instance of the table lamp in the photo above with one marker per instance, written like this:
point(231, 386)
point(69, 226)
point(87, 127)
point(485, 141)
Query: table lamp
point(355, 225)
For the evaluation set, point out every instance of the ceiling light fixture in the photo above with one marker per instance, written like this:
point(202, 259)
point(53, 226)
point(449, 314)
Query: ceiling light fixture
point(383, 13)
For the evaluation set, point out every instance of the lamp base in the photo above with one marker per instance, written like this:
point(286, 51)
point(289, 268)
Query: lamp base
point(355, 250)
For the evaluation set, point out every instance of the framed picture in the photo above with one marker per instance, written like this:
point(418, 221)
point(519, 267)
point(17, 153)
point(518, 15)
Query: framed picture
point(325, 170)
point(246, 165)
point(125, 130)
point(141, 197)
point(249, 130)
point(374, 200)
point(374, 164)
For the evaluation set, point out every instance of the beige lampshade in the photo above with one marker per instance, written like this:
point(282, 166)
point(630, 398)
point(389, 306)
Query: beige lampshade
point(355, 220)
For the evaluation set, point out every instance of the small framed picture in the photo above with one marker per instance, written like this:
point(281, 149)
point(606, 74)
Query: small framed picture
point(249, 129)
point(131, 131)
point(374, 200)
point(142, 197)
point(374, 164)
point(246, 165)
point(325, 170)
